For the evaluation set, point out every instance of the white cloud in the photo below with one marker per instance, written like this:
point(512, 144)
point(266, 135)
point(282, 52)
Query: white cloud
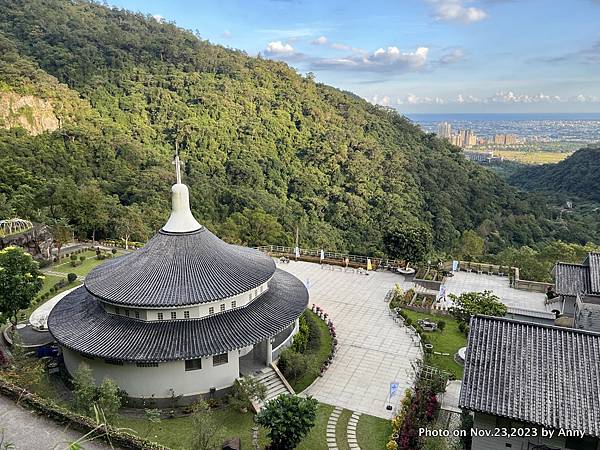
point(456, 11)
point(158, 18)
point(453, 56)
point(279, 48)
point(321, 40)
point(390, 59)
point(501, 97)
point(226, 34)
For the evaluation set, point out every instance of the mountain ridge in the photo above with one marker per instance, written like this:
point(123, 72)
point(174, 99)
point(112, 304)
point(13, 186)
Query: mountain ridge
point(266, 150)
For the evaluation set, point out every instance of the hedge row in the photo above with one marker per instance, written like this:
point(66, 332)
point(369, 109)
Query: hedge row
point(77, 422)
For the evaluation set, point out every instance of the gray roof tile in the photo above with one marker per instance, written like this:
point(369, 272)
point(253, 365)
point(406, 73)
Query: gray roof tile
point(79, 322)
point(571, 279)
point(178, 269)
point(534, 373)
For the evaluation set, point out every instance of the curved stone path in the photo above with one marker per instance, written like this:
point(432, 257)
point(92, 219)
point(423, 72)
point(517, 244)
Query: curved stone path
point(351, 431)
point(331, 423)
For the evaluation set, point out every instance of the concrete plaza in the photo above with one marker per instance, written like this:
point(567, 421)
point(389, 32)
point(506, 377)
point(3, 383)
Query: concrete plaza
point(373, 350)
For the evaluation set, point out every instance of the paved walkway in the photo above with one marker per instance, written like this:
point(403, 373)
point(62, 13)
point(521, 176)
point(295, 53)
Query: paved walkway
point(373, 351)
point(331, 424)
point(26, 430)
point(351, 431)
point(515, 298)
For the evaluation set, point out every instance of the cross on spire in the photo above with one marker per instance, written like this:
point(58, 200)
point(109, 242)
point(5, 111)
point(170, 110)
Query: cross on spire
point(177, 164)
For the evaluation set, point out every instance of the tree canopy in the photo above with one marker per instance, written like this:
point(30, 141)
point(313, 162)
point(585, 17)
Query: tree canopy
point(265, 149)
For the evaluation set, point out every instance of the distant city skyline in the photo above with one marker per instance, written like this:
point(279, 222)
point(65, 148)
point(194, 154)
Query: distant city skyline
point(418, 56)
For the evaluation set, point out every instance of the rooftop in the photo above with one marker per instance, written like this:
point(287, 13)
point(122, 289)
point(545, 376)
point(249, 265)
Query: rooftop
point(534, 373)
point(80, 323)
point(179, 269)
point(573, 279)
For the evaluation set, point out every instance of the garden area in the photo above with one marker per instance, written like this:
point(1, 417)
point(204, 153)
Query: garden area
point(312, 349)
point(446, 341)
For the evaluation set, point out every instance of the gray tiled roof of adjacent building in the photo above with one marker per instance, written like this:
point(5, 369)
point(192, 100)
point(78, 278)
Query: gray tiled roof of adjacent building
point(533, 373)
point(593, 261)
point(587, 316)
point(571, 279)
point(180, 269)
point(80, 323)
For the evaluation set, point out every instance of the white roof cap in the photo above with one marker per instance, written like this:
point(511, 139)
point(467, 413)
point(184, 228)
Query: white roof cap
point(181, 220)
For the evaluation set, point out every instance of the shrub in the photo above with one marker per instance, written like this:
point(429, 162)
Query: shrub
point(82, 258)
point(114, 251)
point(289, 419)
point(71, 277)
point(245, 391)
point(441, 325)
point(408, 321)
point(301, 338)
point(314, 332)
point(292, 364)
point(73, 257)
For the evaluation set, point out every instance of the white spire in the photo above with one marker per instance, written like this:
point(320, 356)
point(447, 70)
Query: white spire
point(181, 220)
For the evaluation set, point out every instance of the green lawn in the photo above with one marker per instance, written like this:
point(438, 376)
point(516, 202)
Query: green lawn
point(447, 341)
point(316, 358)
point(84, 267)
point(174, 433)
point(317, 438)
point(372, 433)
point(341, 430)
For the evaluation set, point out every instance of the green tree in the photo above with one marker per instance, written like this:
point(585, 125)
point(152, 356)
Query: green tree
point(471, 245)
point(469, 304)
point(245, 391)
point(61, 234)
point(84, 390)
point(129, 224)
point(207, 433)
point(93, 209)
point(289, 418)
point(109, 400)
point(20, 281)
point(411, 243)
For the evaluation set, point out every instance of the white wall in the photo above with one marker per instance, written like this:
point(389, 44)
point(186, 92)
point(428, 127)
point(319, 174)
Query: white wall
point(147, 381)
point(488, 422)
point(195, 311)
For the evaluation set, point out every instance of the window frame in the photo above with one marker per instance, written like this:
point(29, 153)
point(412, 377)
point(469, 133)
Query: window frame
point(218, 359)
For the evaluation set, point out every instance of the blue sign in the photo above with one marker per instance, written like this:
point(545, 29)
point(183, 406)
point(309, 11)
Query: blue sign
point(393, 388)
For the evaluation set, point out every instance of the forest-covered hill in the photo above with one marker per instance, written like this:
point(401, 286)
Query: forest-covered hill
point(265, 149)
point(578, 176)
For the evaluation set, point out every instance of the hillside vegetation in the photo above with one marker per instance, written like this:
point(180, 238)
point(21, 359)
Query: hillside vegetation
point(265, 149)
point(578, 175)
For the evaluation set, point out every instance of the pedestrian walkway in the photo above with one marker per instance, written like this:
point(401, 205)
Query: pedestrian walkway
point(373, 351)
point(331, 424)
point(351, 431)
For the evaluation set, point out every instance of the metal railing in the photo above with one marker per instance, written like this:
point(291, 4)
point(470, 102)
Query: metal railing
point(329, 256)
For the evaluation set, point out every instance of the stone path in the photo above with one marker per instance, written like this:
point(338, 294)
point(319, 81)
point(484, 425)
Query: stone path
point(331, 423)
point(26, 430)
point(351, 431)
point(373, 350)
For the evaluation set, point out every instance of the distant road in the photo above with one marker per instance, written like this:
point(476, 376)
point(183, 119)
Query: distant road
point(26, 430)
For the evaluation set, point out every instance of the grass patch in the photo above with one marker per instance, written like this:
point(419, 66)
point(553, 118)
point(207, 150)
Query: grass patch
point(341, 430)
point(317, 438)
point(315, 358)
point(174, 433)
point(82, 269)
point(372, 433)
point(447, 341)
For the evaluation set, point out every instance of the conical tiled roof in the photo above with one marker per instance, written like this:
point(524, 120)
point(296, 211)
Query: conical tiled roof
point(179, 269)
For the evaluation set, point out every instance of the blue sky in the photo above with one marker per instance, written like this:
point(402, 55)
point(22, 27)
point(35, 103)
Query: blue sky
point(418, 55)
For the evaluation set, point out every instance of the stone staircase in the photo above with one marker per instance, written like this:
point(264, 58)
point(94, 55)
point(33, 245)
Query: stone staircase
point(273, 382)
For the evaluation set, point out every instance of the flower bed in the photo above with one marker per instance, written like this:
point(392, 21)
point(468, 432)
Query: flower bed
point(334, 342)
